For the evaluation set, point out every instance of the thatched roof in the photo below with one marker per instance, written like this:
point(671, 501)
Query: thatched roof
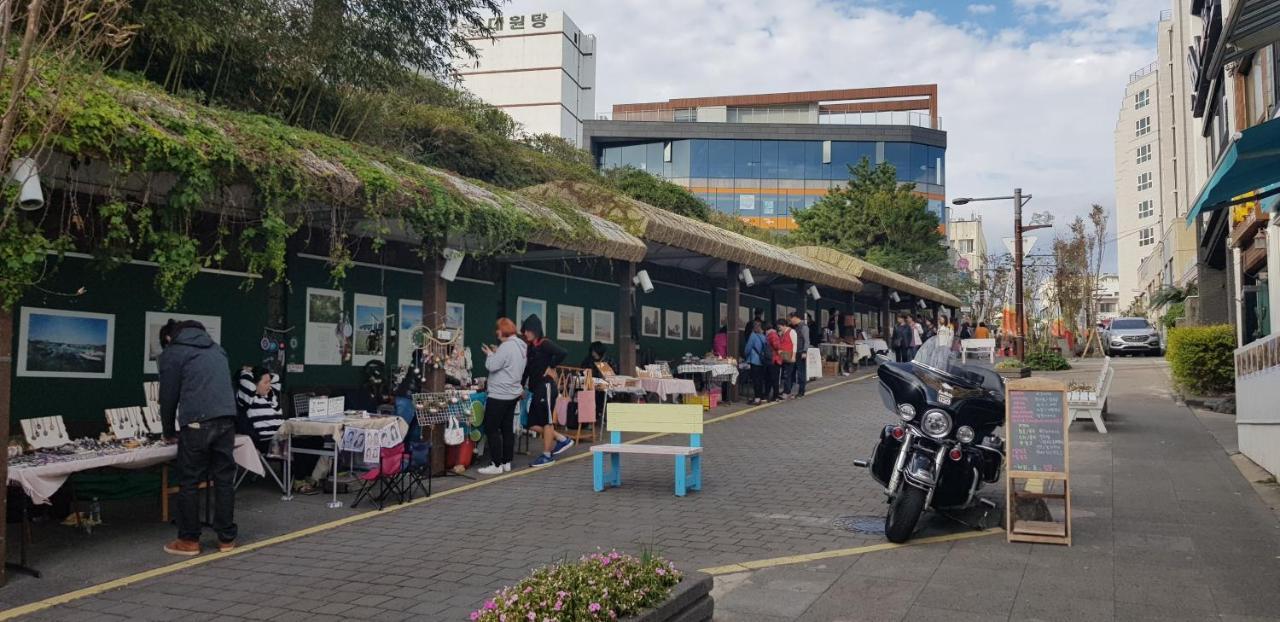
point(872, 273)
point(670, 229)
point(137, 139)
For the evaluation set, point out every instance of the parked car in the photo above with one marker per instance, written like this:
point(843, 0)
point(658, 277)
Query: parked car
point(1132, 335)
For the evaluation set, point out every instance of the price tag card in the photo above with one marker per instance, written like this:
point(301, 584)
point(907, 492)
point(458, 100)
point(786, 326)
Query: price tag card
point(336, 405)
point(318, 407)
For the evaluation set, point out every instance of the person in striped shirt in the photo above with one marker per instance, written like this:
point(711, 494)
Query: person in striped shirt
point(258, 395)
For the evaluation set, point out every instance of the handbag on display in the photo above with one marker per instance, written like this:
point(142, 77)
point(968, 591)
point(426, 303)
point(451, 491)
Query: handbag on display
point(586, 401)
point(562, 410)
point(453, 433)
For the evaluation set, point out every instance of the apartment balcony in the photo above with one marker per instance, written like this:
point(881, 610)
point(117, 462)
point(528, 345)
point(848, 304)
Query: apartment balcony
point(1247, 220)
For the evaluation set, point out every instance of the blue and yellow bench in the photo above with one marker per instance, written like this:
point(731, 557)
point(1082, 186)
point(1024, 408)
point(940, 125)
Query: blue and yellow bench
point(652, 418)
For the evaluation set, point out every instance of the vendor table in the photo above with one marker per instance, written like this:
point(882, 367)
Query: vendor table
point(718, 372)
point(668, 386)
point(40, 482)
point(327, 428)
point(876, 345)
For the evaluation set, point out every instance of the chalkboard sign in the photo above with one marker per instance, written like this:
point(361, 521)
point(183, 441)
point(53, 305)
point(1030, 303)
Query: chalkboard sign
point(1037, 437)
point(1037, 481)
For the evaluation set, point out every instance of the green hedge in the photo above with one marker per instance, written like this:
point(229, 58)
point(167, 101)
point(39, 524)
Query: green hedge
point(1202, 358)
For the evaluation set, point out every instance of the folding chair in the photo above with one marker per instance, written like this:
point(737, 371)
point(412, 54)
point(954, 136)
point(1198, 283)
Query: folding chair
point(416, 469)
point(384, 477)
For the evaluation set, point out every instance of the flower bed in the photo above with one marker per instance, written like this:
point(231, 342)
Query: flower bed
point(600, 586)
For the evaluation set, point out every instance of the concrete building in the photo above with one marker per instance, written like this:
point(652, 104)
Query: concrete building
point(764, 157)
point(540, 68)
point(1107, 296)
point(1138, 176)
point(967, 239)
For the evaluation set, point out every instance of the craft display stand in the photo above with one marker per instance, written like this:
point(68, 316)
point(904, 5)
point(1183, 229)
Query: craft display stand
point(433, 411)
point(1039, 470)
point(570, 381)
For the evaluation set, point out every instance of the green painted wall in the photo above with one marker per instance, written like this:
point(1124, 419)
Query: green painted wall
point(479, 299)
point(557, 289)
point(127, 293)
point(683, 300)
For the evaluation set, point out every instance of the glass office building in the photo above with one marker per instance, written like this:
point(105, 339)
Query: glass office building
point(765, 157)
point(764, 180)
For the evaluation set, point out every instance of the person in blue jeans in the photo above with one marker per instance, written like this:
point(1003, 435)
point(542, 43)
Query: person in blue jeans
point(756, 354)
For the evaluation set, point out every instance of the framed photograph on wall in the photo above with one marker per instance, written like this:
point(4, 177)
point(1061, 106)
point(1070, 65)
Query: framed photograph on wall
point(569, 323)
point(409, 318)
point(325, 337)
point(693, 324)
point(650, 322)
point(723, 318)
point(53, 343)
point(675, 325)
point(455, 316)
point(602, 326)
point(157, 319)
point(370, 323)
point(530, 306)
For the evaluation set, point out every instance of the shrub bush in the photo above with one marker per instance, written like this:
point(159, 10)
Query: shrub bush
point(1202, 358)
point(600, 586)
point(1046, 360)
point(1009, 364)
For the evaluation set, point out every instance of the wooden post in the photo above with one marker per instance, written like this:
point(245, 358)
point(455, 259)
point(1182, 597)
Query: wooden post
point(886, 316)
point(435, 291)
point(626, 305)
point(733, 299)
point(6, 375)
point(804, 298)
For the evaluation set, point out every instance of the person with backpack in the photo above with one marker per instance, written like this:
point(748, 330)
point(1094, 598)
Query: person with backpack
point(544, 355)
point(756, 355)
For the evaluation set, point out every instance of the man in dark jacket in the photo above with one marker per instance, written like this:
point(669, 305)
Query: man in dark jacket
point(803, 343)
point(195, 377)
point(540, 379)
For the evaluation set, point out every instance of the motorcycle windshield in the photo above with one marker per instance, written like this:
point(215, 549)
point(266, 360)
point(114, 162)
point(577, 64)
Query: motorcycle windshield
point(937, 356)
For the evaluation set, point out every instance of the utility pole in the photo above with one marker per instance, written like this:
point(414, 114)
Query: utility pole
point(1020, 341)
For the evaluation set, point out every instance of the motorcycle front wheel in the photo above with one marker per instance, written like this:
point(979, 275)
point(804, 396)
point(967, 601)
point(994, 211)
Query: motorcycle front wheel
point(904, 513)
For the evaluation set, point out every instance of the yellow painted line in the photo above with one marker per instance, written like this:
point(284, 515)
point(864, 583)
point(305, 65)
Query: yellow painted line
point(861, 550)
point(93, 590)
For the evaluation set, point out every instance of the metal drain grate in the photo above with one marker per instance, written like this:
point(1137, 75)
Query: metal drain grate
point(861, 524)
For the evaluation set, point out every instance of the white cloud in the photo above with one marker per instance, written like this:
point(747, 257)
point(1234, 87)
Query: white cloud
point(981, 9)
point(1031, 111)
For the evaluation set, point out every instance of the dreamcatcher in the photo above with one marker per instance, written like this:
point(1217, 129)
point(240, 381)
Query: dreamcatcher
point(433, 349)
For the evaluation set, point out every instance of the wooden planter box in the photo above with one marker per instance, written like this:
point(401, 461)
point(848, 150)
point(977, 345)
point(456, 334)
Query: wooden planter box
point(690, 601)
point(1014, 374)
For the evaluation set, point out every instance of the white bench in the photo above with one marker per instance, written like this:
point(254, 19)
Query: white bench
point(978, 346)
point(1092, 404)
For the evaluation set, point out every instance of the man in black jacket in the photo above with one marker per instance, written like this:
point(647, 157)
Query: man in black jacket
point(544, 355)
point(195, 376)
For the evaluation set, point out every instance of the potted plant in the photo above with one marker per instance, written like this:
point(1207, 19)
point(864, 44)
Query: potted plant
point(1011, 369)
point(603, 586)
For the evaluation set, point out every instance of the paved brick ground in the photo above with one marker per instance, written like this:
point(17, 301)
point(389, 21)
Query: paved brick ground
point(1165, 528)
point(763, 497)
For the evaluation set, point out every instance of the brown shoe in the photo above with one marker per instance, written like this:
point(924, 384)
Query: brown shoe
point(186, 548)
point(223, 547)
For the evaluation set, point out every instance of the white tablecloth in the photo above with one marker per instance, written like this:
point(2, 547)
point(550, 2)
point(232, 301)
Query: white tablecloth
point(876, 345)
point(301, 426)
point(41, 482)
point(668, 386)
point(717, 370)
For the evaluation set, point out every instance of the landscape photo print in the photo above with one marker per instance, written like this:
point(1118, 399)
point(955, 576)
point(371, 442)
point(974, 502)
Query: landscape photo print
point(55, 343)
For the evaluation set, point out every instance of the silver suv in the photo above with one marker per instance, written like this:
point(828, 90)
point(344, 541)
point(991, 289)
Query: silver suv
point(1132, 335)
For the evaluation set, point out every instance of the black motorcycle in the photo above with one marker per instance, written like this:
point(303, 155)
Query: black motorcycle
point(945, 449)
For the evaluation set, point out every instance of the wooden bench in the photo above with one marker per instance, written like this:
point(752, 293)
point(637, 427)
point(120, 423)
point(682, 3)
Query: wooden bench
point(977, 346)
point(652, 418)
point(1095, 407)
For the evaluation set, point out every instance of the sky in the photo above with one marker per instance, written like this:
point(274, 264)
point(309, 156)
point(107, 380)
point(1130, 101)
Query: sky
point(1029, 90)
point(66, 329)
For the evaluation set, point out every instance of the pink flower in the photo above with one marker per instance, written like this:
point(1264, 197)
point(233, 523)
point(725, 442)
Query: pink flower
point(489, 605)
point(531, 617)
point(662, 572)
point(527, 590)
point(475, 615)
point(593, 607)
point(604, 561)
point(559, 606)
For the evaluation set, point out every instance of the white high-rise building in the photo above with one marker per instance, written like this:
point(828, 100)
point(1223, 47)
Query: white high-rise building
point(1138, 194)
point(540, 69)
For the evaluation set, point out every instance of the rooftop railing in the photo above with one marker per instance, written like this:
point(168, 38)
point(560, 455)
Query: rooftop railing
point(1145, 71)
point(807, 116)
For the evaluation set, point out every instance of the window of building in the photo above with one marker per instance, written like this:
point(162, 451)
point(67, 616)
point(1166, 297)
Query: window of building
point(1146, 209)
point(1144, 154)
point(964, 246)
point(1141, 99)
point(685, 115)
point(1147, 237)
point(1144, 126)
point(1106, 307)
point(1144, 181)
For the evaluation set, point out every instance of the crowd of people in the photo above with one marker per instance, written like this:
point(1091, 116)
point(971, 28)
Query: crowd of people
point(911, 331)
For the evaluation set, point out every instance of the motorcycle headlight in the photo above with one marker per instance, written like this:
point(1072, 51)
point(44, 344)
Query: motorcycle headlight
point(936, 423)
point(907, 412)
point(964, 434)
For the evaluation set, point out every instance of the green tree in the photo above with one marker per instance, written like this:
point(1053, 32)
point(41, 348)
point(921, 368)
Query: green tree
point(657, 192)
point(878, 219)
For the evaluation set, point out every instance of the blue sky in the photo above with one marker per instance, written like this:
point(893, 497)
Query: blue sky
point(68, 330)
point(1029, 90)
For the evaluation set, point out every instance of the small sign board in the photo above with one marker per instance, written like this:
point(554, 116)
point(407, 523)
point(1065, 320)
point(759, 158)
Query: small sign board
point(1037, 482)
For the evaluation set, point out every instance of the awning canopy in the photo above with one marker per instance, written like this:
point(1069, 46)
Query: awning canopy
point(1251, 163)
point(689, 244)
point(871, 273)
point(1252, 24)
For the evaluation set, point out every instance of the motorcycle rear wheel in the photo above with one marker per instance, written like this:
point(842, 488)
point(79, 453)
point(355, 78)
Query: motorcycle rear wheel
point(904, 513)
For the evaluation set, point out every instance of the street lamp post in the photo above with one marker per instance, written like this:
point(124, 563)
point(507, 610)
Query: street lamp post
point(1019, 199)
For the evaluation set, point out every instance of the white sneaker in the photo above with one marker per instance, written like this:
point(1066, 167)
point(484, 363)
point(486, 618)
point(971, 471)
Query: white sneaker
point(492, 469)
point(506, 468)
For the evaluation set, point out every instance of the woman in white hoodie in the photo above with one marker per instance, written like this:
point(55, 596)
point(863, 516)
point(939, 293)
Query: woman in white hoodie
point(506, 369)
